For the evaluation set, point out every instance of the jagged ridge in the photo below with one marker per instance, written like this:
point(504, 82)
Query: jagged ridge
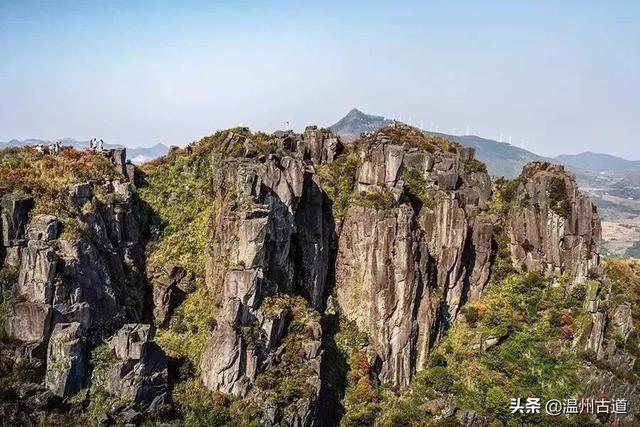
point(278, 263)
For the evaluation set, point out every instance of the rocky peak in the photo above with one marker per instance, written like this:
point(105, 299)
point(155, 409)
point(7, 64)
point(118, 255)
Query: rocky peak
point(553, 227)
point(355, 122)
point(403, 271)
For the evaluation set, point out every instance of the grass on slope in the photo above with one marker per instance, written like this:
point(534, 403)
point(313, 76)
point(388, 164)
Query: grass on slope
point(534, 324)
point(403, 134)
point(178, 200)
point(26, 172)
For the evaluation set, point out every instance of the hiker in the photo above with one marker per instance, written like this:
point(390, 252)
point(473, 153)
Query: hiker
point(51, 149)
point(101, 146)
point(92, 144)
point(40, 149)
point(57, 147)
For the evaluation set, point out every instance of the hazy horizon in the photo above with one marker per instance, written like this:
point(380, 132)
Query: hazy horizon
point(555, 78)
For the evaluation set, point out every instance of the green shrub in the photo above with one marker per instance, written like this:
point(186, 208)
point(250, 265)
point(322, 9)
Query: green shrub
point(376, 199)
point(439, 379)
point(338, 179)
point(190, 328)
point(438, 360)
point(474, 165)
point(361, 416)
point(199, 406)
point(418, 187)
point(471, 315)
point(577, 296)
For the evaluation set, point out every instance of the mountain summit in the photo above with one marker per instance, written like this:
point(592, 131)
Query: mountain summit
point(355, 122)
point(502, 159)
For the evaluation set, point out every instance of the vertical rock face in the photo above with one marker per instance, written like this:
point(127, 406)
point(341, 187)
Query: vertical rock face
point(14, 215)
point(415, 245)
point(553, 227)
point(379, 283)
point(31, 313)
point(66, 359)
point(87, 281)
point(320, 145)
point(140, 372)
point(270, 236)
point(402, 273)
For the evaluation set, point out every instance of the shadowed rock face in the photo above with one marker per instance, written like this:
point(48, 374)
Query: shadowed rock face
point(553, 227)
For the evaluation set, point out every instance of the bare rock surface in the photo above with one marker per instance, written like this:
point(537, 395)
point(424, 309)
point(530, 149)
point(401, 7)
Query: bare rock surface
point(554, 227)
point(403, 273)
point(140, 372)
point(66, 359)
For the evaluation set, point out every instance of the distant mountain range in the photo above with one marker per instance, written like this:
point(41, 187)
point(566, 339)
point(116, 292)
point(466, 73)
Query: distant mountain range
point(599, 162)
point(613, 183)
point(136, 155)
point(501, 158)
point(355, 122)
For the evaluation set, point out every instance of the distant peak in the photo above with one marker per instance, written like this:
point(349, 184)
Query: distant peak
point(355, 112)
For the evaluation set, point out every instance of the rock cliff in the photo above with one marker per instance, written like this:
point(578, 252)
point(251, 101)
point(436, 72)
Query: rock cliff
point(404, 271)
point(269, 237)
point(294, 280)
point(553, 227)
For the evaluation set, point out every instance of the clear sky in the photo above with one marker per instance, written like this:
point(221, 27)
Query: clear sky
point(558, 76)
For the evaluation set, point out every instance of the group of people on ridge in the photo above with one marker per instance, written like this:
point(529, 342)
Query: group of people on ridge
point(96, 145)
point(53, 149)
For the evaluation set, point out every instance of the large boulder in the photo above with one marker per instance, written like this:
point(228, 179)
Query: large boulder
point(30, 323)
point(44, 228)
point(140, 372)
point(169, 290)
point(320, 145)
point(118, 156)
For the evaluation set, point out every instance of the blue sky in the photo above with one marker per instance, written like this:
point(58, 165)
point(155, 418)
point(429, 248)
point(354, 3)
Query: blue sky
point(554, 76)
